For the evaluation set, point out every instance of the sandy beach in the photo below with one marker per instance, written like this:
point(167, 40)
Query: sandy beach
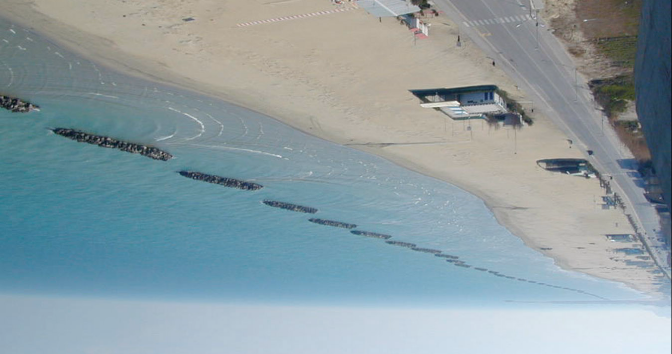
point(341, 74)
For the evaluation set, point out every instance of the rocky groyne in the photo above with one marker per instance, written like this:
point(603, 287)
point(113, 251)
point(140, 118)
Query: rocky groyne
point(291, 207)
point(426, 250)
point(443, 255)
point(332, 223)
point(401, 244)
point(107, 142)
point(16, 105)
point(223, 181)
point(370, 234)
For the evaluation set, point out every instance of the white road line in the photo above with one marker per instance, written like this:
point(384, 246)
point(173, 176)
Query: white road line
point(465, 24)
point(527, 16)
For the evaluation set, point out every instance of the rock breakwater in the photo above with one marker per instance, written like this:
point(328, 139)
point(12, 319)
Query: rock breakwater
point(224, 181)
point(332, 223)
point(107, 142)
point(426, 250)
point(401, 244)
point(370, 234)
point(16, 105)
point(291, 207)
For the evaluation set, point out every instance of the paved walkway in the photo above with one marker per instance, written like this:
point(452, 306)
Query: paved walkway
point(294, 17)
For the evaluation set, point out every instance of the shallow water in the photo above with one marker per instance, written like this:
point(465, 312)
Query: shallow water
point(77, 219)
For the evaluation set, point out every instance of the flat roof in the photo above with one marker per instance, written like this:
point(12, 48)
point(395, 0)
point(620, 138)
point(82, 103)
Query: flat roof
point(387, 8)
point(455, 90)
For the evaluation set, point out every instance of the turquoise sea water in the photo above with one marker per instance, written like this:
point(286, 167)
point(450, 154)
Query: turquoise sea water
point(77, 219)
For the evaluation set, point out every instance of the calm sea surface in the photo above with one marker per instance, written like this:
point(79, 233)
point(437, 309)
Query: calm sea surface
point(77, 219)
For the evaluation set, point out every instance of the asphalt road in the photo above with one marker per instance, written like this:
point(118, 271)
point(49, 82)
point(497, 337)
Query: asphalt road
point(508, 32)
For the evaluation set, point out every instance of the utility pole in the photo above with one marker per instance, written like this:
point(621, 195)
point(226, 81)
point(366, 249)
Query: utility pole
point(536, 18)
point(576, 86)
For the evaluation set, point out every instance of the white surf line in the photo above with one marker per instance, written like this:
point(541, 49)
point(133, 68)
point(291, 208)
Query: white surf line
point(20, 47)
point(261, 131)
point(29, 39)
point(221, 126)
point(293, 17)
point(6, 41)
point(100, 75)
point(193, 118)
point(13, 31)
point(166, 137)
point(59, 55)
point(238, 149)
point(100, 94)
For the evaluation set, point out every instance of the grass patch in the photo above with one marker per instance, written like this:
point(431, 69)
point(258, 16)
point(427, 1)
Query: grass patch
point(513, 106)
point(620, 51)
point(614, 93)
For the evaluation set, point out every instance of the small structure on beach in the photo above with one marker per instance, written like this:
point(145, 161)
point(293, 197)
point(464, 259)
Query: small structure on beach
point(461, 103)
point(574, 167)
point(387, 8)
point(620, 237)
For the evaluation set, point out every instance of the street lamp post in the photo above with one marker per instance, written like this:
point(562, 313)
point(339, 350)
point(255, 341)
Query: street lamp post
point(536, 18)
point(576, 86)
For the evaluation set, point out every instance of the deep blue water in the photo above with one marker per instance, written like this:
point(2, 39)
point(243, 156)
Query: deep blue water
point(77, 219)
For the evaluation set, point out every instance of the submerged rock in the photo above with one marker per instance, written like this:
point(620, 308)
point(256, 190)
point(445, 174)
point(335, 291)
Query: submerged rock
point(291, 207)
point(426, 250)
point(370, 234)
point(224, 181)
point(106, 142)
point(401, 244)
point(443, 255)
point(332, 223)
point(16, 105)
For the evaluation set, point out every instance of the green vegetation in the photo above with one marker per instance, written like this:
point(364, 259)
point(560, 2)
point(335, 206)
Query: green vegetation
point(621, 51)
point(513, 106)
point(423, 4)
point(614, 93)
point(632, 126)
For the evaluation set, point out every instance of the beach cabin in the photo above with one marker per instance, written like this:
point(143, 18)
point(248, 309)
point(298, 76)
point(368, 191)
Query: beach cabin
point(460, 103)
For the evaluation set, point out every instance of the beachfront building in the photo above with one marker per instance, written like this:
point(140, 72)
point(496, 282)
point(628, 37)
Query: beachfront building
point(620, 237)
point(460, 103)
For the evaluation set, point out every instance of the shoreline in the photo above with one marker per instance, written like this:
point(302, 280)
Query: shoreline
point(508, 212)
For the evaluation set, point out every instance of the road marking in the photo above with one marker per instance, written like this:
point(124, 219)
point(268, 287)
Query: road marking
point(499, 20)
